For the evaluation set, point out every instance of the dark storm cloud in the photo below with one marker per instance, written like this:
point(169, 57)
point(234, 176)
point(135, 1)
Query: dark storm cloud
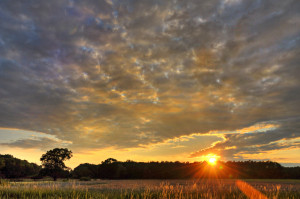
point(106, 73)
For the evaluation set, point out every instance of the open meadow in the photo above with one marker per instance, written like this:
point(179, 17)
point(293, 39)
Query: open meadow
point(146, 189)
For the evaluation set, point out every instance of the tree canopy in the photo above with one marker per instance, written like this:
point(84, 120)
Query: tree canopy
point(53, 165)
point(11, 167)
point(53, 162)
point(113, 169)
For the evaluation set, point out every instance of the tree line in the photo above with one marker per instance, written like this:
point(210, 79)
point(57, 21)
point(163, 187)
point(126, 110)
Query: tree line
point(53, 166)
point(11, 167)
point(113, 169)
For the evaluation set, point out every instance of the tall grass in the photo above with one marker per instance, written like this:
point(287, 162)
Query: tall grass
point(165, 190)
point(4, 182)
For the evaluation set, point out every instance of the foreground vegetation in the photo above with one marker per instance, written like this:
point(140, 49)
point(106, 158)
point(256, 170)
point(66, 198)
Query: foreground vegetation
point(146, 189)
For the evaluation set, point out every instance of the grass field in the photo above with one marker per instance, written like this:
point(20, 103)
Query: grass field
point(146, 189)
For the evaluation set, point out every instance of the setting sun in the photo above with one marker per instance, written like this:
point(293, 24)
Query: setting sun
point(212, 161)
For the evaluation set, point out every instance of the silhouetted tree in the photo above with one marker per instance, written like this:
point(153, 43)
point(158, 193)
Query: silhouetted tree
point(86, 170)
point(109, 161)
point(113, 169)
point(11, 167)
point(53, 163)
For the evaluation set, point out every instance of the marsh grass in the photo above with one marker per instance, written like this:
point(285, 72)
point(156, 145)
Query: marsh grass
point(126, 189)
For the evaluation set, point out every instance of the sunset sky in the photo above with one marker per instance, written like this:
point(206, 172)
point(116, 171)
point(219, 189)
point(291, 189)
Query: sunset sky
point(151, 79)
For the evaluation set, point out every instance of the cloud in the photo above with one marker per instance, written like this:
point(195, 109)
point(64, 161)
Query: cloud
point(40, 143)
point(256, 141)
point(125, 74)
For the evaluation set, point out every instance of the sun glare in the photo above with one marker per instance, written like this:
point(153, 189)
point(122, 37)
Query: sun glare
point(211, 159)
